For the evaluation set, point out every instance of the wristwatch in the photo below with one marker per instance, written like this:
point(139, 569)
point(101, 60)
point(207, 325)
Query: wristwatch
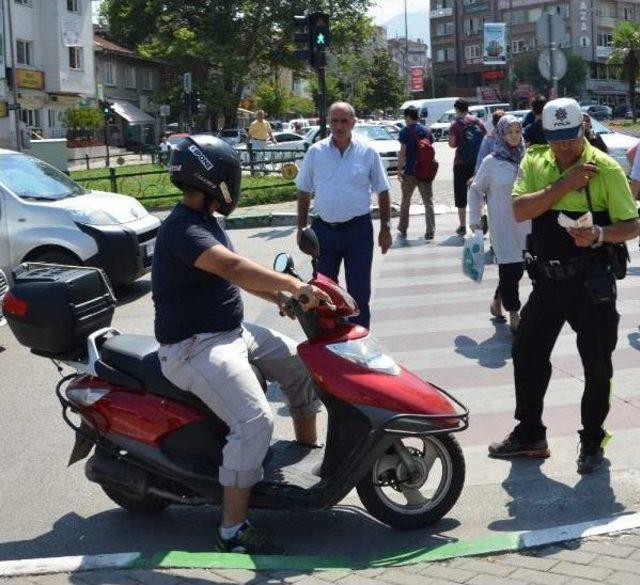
point(600, 239)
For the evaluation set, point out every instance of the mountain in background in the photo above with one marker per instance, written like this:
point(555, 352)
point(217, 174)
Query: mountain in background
point(417, 24)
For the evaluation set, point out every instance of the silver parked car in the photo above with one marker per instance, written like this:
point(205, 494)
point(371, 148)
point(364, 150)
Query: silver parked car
point(4, 285)
point(47, 217)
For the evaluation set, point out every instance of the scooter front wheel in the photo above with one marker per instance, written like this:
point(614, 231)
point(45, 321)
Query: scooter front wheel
point(415, 483)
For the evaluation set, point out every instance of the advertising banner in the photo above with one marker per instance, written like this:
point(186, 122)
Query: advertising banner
point(495, 43)
point(416, 78)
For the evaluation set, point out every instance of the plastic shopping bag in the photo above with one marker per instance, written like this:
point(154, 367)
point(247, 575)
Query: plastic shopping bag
point(473, 256)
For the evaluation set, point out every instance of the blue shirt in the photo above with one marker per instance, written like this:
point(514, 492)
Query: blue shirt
point(534, 133)
point(188, 300)
point(342, 183)
point(408, 138)
point(486, 148)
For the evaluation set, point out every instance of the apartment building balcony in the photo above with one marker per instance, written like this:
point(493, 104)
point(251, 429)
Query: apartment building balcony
point(441, 12)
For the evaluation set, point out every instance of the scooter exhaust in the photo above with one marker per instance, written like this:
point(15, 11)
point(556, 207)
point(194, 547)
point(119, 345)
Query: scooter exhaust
point(106, 470)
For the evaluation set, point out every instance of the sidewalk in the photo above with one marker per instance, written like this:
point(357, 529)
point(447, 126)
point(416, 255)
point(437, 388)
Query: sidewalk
point(283, 214)
point(611, 560)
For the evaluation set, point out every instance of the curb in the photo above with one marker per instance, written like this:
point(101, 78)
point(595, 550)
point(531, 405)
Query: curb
point(508, 542)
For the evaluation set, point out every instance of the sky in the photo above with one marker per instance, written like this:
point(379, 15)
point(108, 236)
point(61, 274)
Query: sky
point(385, 10)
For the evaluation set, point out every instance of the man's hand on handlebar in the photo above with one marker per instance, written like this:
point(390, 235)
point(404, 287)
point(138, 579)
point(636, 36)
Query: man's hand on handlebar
point(310, 296)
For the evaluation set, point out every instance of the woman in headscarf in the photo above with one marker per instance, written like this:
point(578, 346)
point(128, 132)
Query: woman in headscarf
point(494, 182)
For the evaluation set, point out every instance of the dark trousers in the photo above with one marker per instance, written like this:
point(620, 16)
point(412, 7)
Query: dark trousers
point(461, 175)
point(353, 243)
point(508, 285)
point(551, 303)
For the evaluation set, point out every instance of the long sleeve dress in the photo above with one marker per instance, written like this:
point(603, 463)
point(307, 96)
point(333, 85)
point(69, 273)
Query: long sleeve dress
point(494, 180)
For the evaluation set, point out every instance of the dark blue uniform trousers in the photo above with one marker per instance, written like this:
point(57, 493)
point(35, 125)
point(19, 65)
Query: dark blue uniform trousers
point(352, 242)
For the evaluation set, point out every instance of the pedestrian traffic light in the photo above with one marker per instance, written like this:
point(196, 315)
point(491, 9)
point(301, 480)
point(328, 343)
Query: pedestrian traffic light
point(301, 38)
point(318, 38)
point(106, 107)
point(195, 101)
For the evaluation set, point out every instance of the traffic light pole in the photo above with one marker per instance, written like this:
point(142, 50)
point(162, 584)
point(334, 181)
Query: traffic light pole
point(106, 141)
point(322, 86)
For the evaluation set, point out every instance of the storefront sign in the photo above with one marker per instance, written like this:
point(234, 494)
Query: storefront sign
point(493, 74)
point(71, 32)
point(416, 77)
point(30, 79)
point(4, 110)
point(495, 43)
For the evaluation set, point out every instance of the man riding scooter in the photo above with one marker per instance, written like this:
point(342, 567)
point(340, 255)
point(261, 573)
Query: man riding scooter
point(206, 348)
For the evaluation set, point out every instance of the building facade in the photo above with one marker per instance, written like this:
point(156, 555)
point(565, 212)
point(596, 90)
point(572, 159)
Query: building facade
point(457, 40)
point(130, 82)
point(406, 54)
point(53, 49)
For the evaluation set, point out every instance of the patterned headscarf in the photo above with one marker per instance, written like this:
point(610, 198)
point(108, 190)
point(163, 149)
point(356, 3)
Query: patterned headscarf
point(501, 149)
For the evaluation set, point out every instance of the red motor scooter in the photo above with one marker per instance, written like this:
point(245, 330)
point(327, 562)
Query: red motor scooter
point(389, 432)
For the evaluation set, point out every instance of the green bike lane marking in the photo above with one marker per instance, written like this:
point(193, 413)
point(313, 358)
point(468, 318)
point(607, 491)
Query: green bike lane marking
point(502, 543)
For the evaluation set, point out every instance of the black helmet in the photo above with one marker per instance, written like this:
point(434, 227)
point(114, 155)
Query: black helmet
point(209, 165)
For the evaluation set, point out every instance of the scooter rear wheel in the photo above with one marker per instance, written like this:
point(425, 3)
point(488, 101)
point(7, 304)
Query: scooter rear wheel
point(409, 500)
point(147, 504)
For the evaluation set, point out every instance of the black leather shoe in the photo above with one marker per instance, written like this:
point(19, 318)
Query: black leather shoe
point(590, 458)
point(511, 446)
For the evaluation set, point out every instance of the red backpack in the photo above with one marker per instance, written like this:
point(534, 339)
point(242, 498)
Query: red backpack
point(426, 166)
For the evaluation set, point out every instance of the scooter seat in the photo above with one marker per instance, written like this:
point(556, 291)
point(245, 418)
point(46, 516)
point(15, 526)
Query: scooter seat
point(137, 355)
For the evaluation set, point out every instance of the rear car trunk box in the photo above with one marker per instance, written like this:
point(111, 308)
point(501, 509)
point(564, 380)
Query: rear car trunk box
point(52, 309)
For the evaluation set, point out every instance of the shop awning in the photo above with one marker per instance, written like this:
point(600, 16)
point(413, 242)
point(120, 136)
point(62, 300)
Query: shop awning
point(132, 114)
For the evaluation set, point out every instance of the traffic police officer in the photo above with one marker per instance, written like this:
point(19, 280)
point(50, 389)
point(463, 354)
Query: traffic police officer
point(573, 278)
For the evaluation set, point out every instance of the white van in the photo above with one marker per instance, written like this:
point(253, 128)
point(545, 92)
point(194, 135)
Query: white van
point(430, 110)
point(47, 217)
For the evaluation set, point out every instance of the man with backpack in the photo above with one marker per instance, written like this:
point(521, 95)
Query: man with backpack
point(417, 167)
point(465, 135)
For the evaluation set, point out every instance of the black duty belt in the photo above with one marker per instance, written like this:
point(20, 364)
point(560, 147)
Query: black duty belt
point(343, 224)
point(559, 269)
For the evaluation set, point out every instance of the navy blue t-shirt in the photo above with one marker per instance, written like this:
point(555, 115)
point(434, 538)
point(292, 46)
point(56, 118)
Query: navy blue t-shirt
point(534, 133)
point(189, 300)
point(409, 137)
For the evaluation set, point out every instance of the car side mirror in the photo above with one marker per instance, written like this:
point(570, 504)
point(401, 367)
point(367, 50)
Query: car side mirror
point(283, 263)
point(309, 242)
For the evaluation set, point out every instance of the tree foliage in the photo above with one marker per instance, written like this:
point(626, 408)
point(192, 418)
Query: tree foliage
point(526, 70)
point(224, 44)
point(384, 88)
point(82, 121)
point(626, 52)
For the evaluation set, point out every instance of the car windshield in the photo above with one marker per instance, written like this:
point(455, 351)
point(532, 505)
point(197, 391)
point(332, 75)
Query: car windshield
point(31, 178)
point(175, 139)
point(447, 117)
point(600, 128)
point(373, 132)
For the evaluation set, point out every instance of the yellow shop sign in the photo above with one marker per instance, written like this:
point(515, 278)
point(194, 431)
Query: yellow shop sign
point(30, 79)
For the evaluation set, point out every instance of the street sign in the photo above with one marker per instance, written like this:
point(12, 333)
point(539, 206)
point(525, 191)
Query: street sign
point(416, 77)
point(186, 82)
point(550, 27)
point(559, 64)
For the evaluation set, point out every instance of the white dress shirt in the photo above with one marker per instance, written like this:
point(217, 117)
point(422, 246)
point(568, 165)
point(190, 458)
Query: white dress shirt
point(342, 183)
point(635, 171)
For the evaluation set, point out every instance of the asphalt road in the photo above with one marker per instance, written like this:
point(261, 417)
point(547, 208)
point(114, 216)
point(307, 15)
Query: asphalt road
point(431, 319)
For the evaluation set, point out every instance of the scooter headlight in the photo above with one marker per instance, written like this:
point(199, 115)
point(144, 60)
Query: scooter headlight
point(366, 352)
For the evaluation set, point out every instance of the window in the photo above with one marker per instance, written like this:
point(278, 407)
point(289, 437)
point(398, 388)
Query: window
point(30, 117)
point(75, 57)
point(519, 16)
point(604, 39)
point(73, 5)
point(130, 76)
point(109, 73)
point(472, 52)
point(445, 55)
point(444, 28)
point(561, 9)
point(628, 13)
point(24, 52)
point(25, 2)
point(147, 79)
point(534, 14)
point(606, 9)
point(518, 46)
point(51, 118)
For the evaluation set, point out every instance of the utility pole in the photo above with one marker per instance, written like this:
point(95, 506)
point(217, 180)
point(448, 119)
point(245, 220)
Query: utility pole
point(15, 106)
point(552, 65)
point(406, 49)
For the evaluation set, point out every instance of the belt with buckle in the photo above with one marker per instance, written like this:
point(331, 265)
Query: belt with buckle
point(560, 269)
point(341, 224)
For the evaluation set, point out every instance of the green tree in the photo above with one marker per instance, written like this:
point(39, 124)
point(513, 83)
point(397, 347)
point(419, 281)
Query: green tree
point(626, 52)
point(347, 70)
point(223, 43)
point(82, 121)
point(334, 93)
point(526, 70)
point(271, 98)
point(300, 107)
point(384, 88)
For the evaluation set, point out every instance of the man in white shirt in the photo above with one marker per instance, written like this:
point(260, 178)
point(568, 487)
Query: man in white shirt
point(635, 174)
point(341, 172)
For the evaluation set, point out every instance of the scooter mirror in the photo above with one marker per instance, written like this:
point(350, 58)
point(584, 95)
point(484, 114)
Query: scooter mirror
point(283, 263)
point(309, 242)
